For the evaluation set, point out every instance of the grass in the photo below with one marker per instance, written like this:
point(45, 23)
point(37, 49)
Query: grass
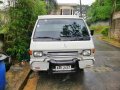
point(98, 28)
point(111, 41)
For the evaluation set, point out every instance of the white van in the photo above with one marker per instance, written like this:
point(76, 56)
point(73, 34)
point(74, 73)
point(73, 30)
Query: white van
point(61, 44)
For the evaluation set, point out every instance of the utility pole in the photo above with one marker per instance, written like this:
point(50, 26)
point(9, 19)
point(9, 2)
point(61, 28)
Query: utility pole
point(47, 2)
point(80, 9)
point(115, 5)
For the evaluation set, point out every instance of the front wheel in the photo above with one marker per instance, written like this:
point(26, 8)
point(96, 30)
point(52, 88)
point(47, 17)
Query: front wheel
point(80, 70)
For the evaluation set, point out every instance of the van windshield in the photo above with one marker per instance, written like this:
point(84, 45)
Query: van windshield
point(61, 29)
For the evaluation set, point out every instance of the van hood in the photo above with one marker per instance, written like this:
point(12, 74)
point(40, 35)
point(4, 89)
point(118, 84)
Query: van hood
point(61, 45)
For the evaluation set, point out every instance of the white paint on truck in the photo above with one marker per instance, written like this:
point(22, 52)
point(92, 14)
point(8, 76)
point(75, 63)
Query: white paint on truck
point(63, 55)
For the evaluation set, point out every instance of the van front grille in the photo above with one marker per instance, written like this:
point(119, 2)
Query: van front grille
point(63, 53)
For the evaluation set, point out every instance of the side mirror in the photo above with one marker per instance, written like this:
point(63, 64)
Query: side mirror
point(92, 32)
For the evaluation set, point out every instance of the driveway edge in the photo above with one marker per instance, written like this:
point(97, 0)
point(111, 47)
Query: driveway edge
point(108, 42)
point(17, 77)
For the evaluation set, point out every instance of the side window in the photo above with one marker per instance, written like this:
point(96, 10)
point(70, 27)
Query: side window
point(66, 12)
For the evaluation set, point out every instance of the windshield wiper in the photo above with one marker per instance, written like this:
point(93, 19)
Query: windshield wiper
point(48, 38)
point(72, 38)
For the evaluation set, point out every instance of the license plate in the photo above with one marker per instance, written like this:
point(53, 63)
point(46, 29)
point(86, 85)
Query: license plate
point(59, 68)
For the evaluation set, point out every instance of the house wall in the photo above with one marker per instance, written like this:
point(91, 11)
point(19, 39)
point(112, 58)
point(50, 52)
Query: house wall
point(11, 3)
point(65, 10)
point(7, 3)
point(3, 5)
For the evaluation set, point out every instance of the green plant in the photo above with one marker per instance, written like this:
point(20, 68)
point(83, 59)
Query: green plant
point(105, 31)
point(98, 28)
point(100, 10)
point(22, 20)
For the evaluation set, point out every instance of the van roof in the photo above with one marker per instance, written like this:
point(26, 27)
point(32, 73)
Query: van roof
point(58, 16)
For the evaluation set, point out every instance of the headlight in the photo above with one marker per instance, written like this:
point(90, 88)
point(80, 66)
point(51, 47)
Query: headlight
point(86, 52)
point(38, 54)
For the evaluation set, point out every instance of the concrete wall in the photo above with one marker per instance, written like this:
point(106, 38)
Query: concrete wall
point(115, 28)
point(101, 23)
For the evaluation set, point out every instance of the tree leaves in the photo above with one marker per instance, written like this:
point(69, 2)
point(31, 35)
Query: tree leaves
point(100, 10)
point(22, 20)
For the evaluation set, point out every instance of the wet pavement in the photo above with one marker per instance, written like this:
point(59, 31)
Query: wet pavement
point(105, 75)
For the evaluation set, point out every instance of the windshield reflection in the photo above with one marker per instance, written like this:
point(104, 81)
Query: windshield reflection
point(73, 30)
point(68, 29)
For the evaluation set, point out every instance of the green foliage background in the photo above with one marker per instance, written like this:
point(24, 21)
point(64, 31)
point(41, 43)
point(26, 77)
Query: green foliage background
point(21, 23)
point(102, 10)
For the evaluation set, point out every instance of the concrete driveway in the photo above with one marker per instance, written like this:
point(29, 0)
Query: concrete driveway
point(105, 75)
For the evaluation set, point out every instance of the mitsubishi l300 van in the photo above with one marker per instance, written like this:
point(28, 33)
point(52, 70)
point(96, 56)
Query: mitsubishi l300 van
point(61, 44)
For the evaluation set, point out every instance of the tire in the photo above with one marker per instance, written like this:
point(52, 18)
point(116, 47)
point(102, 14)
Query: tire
point(80, 70)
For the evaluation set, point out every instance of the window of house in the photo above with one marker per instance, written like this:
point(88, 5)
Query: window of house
point(66, 12)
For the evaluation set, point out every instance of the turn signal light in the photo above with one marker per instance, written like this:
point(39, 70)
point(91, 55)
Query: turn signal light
point(30, 52)
point(93, 50)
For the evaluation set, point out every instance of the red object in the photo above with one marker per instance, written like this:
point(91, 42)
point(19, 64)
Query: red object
point(30, 52)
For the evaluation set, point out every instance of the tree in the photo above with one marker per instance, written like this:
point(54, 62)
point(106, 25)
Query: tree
point(100, 10)
point(22, 19)
point(51, 5)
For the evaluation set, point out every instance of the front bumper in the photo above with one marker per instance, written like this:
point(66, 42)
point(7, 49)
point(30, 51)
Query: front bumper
point(50, 65)
point(72, 63)
point(86, 63)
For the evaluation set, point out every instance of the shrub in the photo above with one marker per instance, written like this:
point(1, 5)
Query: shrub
point(105, 31)
point(22, 19)
point(98, 28)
